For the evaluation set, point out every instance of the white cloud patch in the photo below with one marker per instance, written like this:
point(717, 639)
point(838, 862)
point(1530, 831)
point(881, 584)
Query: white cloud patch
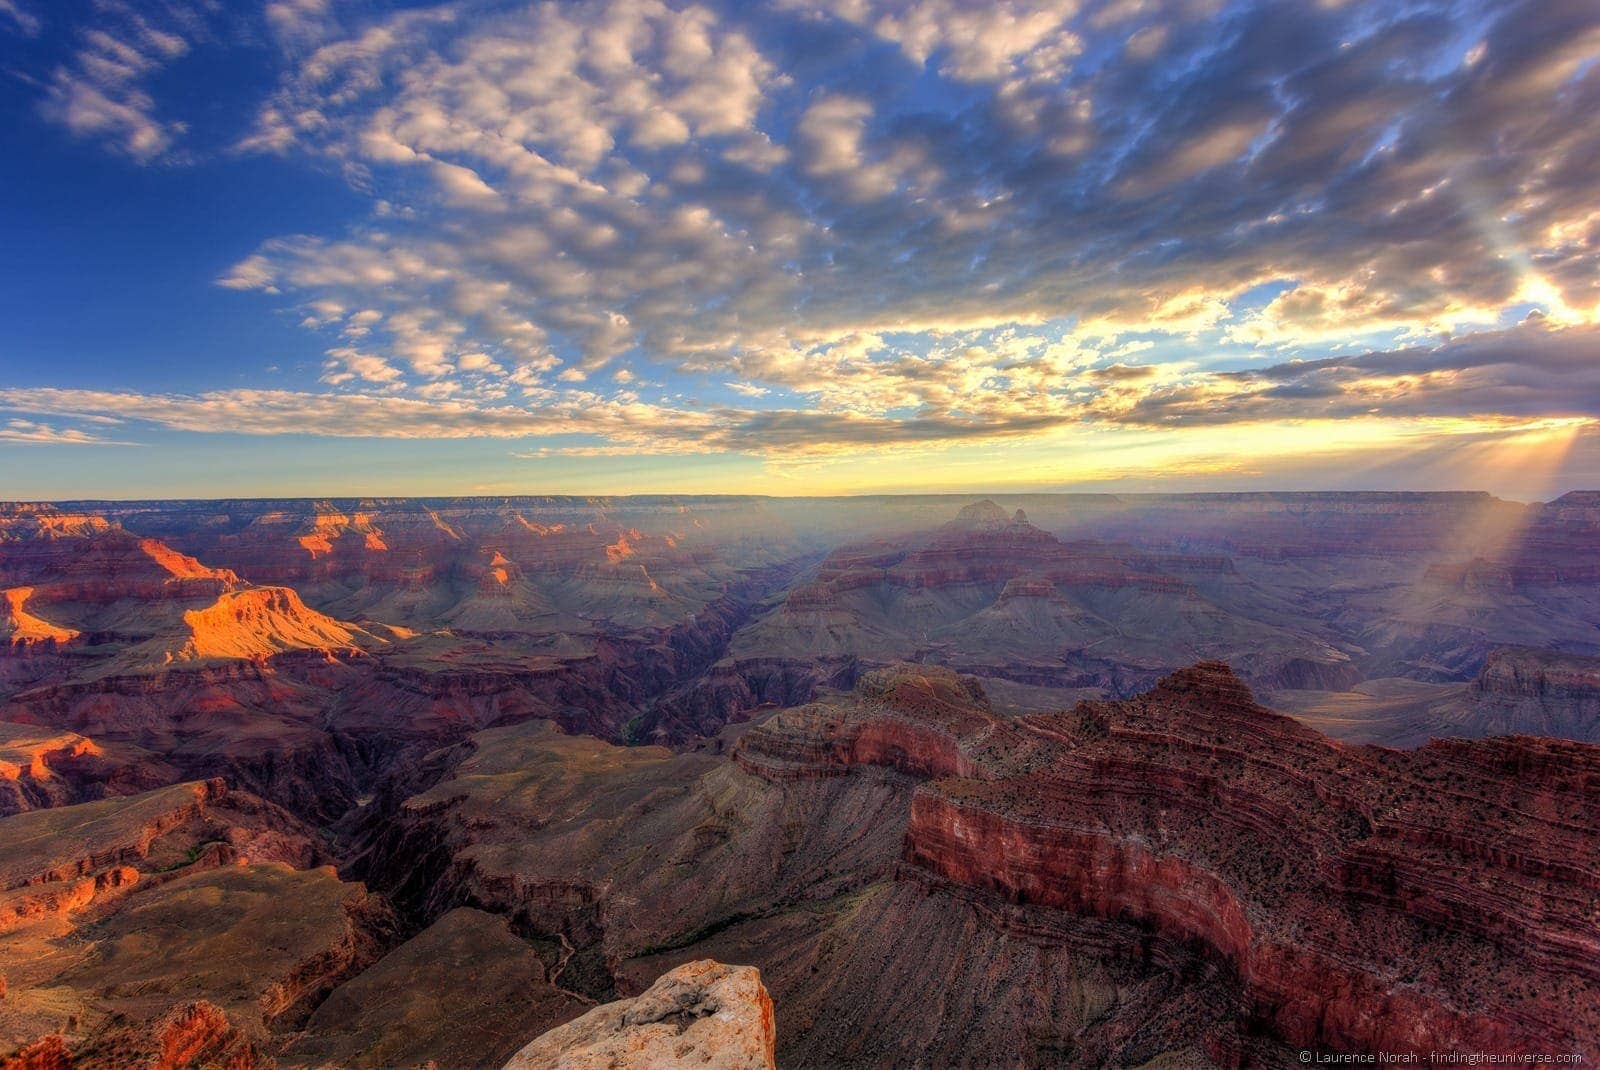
point(19, 19)
point(33, 433)
point(101, 93)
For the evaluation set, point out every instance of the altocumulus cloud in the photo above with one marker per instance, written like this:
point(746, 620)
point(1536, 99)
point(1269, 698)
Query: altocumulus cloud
point(878, 224)
point(1499, 379)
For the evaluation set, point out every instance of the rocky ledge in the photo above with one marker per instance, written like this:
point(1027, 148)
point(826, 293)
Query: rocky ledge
point(703, 1015)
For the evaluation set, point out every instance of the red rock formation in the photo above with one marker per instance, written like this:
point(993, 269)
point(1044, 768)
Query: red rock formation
point(46, 1053)
point(88, 589)
point(247, 625)
point(1558, 545)
point(1308, 525)
point(194, 1036)
point(1367, 899)
point(914, 723)
point(426, 564)
point(192, 890)
point(636, 859)
point(992, 594)
point(201, 1035)
point(112, 841)
point(1554, 546)
point(42, 767)
point(89, 560)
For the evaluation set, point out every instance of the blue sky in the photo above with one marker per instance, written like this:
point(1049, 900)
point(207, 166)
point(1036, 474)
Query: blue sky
point(313, 247)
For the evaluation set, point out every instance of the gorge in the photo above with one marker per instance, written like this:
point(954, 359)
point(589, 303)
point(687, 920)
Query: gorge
point(408, 783)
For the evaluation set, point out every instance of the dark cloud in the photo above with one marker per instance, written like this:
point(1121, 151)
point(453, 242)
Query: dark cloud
point(1124, 373)
point(1526, 372)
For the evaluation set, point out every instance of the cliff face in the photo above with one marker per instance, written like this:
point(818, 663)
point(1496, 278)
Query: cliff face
point(58, 861)
point(701, 1016)
point(1535, 585)
point(92, 553)
point(1518, 691)
point(491, 567)
point(922, 874)
point(1557, 544)
point(549, 603)
point(917, 724)
point(43, 767)
point(1537, 692)
point(906, 847)
point(633, 860)
point(138, 647)
point(919, 878)
point(1366, 899)
point(186, 891)
point(992, 594)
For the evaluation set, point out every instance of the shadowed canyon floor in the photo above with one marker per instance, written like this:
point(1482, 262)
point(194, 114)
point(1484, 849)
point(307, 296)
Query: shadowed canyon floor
point(400, 782)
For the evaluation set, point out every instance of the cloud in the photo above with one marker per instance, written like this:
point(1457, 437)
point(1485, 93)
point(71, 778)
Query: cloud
point(15, 17)
point(1125, 373)
point(1008, 41)
point(300, 23)
point(623, 427)
point(593, 175)
point(934, 222)
point(831, 133)
point(100, 93)
point(1494, 381)
point(346, 364)
point(286, 412)
point(1526, 373)
point(32, 433)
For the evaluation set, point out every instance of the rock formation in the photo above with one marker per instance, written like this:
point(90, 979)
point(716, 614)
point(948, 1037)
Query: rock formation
point(466, 991)
point(115, 914)
point(204, 705)
point(42, 767)
point(701, 1016)
point(1525, 691)
point(634, 860)
point(1363, 897)
point(991, 594)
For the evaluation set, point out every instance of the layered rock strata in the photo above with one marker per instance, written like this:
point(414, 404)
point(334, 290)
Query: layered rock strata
point(1366, 899)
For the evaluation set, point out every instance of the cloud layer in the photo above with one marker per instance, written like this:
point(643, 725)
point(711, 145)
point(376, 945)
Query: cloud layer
point(1528, 377)
point(810, 225)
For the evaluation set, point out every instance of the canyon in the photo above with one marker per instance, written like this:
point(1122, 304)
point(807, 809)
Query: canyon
point(410, 782)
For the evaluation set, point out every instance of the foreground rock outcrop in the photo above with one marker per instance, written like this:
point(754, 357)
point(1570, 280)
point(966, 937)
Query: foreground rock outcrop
point(701, 1016)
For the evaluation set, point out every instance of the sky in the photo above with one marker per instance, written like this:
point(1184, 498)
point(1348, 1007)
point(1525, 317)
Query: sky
point(326, 247)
